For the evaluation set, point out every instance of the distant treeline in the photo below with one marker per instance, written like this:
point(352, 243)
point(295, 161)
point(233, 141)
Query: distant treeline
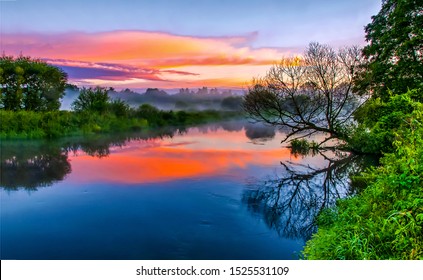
point(185, 99)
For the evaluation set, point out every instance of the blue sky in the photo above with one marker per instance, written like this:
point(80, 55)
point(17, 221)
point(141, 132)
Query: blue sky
point(278, 23)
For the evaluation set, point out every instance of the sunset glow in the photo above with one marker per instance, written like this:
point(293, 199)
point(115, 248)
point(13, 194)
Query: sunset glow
point(134, 57)
point(191, 157)
point(172, 45)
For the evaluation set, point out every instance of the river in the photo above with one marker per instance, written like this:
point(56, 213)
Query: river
point(217, 191)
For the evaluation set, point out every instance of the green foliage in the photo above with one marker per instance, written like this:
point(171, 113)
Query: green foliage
point(158, 118)
point(119, 108)
point(380, 121)
point(394, 53)
point(385, 221)
point(30, 84)
point(303, 147)
point(92, 100)
point(29, 124)
point(117, 118)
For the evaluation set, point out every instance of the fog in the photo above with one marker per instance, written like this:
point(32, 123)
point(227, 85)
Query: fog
point(185, 99)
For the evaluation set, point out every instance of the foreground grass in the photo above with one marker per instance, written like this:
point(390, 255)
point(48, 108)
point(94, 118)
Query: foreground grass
point(386, 220)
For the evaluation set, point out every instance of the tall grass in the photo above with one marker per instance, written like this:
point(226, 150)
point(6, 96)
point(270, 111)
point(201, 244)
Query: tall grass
point(386, 220)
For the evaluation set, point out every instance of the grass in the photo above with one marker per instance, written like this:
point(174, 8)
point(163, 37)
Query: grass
point(385, 221)
point(53, 124)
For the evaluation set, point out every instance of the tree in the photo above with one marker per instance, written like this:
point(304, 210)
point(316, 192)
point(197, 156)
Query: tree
point(395, 50)
point(309, 94)
point(232, 103)
point(30, 84)
point(119, 108)
point(92, 100)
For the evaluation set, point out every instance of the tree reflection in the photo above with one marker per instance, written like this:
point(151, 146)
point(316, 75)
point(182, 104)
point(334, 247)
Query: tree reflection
point(290, 203)
point(33, 164)
point(30, 164)
point(257, 132)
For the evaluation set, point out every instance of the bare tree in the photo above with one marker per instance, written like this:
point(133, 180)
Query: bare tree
point(309, 94)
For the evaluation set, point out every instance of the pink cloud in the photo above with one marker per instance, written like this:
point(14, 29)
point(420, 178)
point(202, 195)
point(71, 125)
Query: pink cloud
point(145, 56)
point(148, 49)
point(78, 70)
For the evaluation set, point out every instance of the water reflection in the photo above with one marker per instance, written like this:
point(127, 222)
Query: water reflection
point(290, 202)
point(32, 164)
point(259, 133)
point(171, 194)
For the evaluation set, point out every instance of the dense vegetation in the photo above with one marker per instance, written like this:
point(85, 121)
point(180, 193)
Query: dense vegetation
point(30, 84)
point(385, 221)
point(93, 111)
point(31, 93)
point(30, 124)
point(370, 102)
point(394, 52)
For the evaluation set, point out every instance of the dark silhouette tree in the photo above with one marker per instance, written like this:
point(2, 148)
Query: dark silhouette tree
point(232, 103)
point(259, 132)
point(309, 94)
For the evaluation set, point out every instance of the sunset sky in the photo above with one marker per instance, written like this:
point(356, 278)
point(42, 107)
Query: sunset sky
point(174, 44)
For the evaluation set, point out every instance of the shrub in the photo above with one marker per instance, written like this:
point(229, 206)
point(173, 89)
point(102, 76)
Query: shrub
point(385, 221)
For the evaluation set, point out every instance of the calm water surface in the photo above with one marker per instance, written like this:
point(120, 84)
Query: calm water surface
point(227, 191)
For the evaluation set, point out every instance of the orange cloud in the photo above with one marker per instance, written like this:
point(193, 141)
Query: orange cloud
point(144, 48)
point(131, 55)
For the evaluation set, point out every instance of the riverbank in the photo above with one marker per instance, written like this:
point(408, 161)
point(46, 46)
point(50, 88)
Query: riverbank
point(385, 221)
point(54, 124)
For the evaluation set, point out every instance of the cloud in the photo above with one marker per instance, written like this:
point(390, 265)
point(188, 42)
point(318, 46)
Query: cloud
point(148, 49)
point(109, 57)
point(80, 70)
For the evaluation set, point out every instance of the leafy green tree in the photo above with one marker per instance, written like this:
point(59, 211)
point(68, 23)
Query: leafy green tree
point(395, 51)
point(119, 108)
point(30, 84)
point(92, 100)
point(148, 111)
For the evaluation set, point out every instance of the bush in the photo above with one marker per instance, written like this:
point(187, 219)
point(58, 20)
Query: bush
point(303, 147)
point(380, 121)
point(386, 220)
point(92, 100)
point(119, 108)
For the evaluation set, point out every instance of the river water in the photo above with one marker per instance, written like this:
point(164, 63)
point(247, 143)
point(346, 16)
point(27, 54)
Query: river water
point(219, 191)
